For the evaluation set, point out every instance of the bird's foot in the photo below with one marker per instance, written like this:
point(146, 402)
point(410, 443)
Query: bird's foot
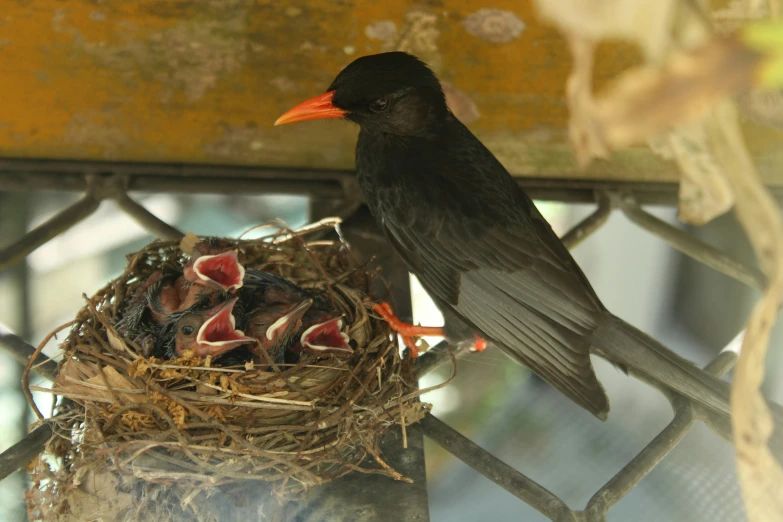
point(407, 331)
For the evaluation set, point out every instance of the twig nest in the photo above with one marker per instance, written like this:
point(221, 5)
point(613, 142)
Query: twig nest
point(156, 430)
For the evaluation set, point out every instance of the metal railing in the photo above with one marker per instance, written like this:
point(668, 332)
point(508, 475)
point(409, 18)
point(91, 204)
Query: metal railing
point(101, 181)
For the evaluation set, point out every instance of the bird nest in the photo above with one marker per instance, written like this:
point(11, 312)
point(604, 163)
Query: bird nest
point(143, 435)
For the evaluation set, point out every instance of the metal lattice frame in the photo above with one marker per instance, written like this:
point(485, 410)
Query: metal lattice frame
point(100, 181)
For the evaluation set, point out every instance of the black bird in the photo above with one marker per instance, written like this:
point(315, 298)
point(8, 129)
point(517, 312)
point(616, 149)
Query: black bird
point(476, 241)
point(204, 329)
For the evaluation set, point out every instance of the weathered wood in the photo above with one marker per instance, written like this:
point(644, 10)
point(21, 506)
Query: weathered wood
point(202, 81)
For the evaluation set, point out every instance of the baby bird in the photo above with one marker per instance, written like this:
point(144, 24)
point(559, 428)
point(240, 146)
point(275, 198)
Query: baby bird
point(204, 330)
point(287, 319)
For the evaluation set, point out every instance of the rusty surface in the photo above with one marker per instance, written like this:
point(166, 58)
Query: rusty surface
point(202, 81)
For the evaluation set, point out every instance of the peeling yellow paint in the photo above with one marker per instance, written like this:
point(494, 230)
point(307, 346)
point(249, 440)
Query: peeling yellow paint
point(202, 81)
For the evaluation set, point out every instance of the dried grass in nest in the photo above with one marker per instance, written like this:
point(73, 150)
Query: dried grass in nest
point(159, 432)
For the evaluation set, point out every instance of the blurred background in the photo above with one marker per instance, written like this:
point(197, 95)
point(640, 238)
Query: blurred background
point(156, 84)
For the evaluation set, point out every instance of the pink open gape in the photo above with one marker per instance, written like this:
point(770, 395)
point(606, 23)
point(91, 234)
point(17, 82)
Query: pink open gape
point(327, 336)
point(292, 319)
point(223, 269)
point(220, 331)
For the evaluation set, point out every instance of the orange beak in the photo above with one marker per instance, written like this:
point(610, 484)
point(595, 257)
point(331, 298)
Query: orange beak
point(317, 108)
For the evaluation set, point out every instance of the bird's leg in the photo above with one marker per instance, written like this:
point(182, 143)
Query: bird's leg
point(407, 331)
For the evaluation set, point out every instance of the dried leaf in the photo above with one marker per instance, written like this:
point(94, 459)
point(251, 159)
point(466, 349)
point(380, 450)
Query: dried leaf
point(218, 412)
point(736, 13)
point(116, 382)
point(136, 420)
point(761, 477)
point(86, 380)
point(116, 341)
point(170, 374)
point(72, 371)
point(98, 498)
point(704, 191)
point(642, 21)
point(203, 389)
point(177, 412)
point(647, 101)
point(139, 367)
point(763, 107)
point(584, 129)
point(188, 242)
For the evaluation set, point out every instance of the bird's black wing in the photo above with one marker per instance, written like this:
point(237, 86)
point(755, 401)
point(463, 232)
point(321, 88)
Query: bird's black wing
point(481, 249)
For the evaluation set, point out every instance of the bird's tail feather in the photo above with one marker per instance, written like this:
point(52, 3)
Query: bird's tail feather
point(623, 344)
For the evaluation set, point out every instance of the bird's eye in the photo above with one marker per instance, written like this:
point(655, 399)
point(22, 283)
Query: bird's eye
point(380, 105)
point(188, 329)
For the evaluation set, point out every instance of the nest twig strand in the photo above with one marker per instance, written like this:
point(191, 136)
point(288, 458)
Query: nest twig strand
point(183, 426)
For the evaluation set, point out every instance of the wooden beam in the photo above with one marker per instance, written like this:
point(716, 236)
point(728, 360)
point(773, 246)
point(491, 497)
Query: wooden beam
point(202, 82)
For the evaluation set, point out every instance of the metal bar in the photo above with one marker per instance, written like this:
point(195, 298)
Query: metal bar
point(226, 185)
point(57, 224)
point(36, 174)
point(341, 208)
point(26, 180)
point(633, 472)
point(179, 170)
point(186, 183)
point(525, 489)
point(60, 174)
point(722, 364)
point(15, 213)
point(146, 219)
point(690, 246)
point(652, 454)
point(590, 224)
point(330, 184)
point(21, 351)
point(18, 455)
